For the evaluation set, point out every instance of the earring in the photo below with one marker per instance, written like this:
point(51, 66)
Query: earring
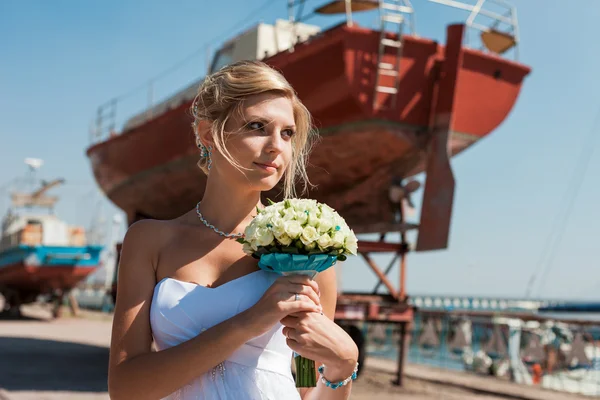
point(202, 150)
point(206, 152)
point(209, 154)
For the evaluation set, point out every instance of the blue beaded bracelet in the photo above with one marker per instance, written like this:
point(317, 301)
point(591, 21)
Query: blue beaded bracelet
point(327, 383)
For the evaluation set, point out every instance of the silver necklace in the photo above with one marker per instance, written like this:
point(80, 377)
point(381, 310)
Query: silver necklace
point(211, 226)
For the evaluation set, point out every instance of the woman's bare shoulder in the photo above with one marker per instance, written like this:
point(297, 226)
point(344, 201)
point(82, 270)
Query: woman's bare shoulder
point(144, 240)
point(148, 231)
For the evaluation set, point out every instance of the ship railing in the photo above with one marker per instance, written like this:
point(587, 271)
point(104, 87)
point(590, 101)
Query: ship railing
point(104, 125)
point(349, 7)
point(495, 20)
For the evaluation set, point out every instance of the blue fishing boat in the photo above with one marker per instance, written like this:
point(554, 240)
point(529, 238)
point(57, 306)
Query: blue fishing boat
point(40, 254)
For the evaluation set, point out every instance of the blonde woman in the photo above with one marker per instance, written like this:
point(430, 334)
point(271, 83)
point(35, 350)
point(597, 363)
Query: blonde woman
point(225, 329)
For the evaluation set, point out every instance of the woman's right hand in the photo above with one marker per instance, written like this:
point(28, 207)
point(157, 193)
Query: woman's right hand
point(280, 300)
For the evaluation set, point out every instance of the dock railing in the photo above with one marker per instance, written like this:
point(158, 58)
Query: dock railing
point(525, 348)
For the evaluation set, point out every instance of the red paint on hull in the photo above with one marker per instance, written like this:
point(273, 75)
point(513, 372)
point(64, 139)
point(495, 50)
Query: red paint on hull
point(149, 171)
point(42, 279)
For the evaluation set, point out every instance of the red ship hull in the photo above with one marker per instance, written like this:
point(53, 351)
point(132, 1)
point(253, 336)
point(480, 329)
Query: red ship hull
point(44, 279)
point(150, 170)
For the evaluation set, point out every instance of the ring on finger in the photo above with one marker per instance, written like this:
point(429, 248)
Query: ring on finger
point(296, 297)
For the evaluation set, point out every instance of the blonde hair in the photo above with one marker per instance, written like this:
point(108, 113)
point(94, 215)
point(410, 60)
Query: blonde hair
point(223, 92)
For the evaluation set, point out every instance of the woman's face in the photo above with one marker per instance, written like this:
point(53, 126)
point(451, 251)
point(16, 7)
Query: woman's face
point(260, 140)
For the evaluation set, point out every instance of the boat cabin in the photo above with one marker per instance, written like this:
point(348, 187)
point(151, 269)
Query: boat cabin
point(39, 230)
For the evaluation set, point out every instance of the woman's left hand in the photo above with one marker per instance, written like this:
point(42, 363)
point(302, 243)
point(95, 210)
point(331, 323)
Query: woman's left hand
point(316, 337)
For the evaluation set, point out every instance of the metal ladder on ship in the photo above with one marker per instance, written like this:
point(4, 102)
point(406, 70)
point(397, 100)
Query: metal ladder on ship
point(391, 12)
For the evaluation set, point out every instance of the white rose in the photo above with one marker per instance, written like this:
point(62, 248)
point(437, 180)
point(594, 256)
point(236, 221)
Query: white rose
point(261, 220)
point(345, 229)
point(299, 205)
point(309, 235)
point(338, 239)
point(284, 240)
point(253, 245)
point(302, 217)
point(325, 225)
point(352, 243)
point(264, 237)
point(294, 202)
point(324, 241)
point(247, 248)
point(278, 228)
point(250, 231)
point(326, 213)
point(289, 214)
point(312, 207)
point(313, 220)
point(277, 208)
point(274, 216)
point(293, 229)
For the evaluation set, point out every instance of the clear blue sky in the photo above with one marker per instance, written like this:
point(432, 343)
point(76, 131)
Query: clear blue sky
point(59, 60)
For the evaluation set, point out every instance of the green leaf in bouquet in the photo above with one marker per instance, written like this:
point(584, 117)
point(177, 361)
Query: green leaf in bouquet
point(287, 203)
point(341, 257)
point(288, 249)
point(240, 240)
point(299, 244)
point(261, 250)
point(271, 202)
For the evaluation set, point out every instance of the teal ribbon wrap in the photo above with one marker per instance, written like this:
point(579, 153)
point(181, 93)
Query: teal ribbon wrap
point(289, 263)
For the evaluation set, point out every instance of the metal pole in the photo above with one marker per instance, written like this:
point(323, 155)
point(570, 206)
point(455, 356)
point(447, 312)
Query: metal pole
point(113, 116)
point(348, 12)
point(208, 60)
point(402, 296)
point(402, 340)
point(515, 25)
point(291, 18)
point(150, 94)
point(402, 289)
point(291, 10)
point(98, 132)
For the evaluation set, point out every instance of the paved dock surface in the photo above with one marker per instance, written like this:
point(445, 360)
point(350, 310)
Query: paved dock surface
point(476, 384)
point(66, 359)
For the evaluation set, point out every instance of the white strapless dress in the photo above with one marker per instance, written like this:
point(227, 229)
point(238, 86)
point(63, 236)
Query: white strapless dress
point(258, 370)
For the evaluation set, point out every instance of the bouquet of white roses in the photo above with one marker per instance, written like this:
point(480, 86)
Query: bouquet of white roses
point(299, 226)
point(299, 236)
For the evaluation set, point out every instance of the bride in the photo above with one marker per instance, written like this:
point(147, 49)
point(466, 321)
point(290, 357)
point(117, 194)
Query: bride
point(223, 328)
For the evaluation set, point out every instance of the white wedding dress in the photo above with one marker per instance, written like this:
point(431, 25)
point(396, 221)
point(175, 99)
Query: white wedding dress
point(259, 370)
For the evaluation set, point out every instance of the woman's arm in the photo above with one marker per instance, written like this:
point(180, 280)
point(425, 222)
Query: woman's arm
point(134, 371)
point(343, 361)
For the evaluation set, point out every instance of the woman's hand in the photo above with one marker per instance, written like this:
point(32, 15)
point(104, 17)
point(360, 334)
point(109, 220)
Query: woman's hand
point(316, 337)
point(280, 300)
